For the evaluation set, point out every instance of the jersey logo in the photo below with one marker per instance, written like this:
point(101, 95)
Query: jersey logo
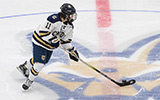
point(54, 17)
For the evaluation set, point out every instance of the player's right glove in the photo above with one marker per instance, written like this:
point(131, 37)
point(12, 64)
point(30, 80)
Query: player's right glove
point(73, 54)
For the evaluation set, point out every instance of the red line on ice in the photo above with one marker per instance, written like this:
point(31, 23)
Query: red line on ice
point(105, 36)
point(103, 14)
point(106, 42)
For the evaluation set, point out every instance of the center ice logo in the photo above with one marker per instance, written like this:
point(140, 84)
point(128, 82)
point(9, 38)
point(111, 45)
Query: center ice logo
point(82, 83)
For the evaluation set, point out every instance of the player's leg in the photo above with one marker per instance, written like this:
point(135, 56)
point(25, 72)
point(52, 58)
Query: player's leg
point(33, 73)
point(40, 57)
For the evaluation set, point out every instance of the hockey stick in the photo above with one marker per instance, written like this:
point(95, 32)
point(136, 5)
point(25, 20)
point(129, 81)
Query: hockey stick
point(121, 84)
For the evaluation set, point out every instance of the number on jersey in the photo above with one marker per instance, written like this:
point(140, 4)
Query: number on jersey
point(48, 25)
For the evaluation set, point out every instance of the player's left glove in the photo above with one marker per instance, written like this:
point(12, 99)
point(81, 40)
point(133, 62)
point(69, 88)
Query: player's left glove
point(74, 54)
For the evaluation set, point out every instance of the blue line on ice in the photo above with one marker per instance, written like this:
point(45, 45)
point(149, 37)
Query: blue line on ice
point(42, 13)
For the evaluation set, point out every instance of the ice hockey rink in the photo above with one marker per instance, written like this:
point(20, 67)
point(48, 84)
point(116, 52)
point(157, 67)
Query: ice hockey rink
point(118, 37)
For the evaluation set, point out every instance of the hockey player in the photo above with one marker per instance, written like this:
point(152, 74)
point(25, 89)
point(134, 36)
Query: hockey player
point(56, 31)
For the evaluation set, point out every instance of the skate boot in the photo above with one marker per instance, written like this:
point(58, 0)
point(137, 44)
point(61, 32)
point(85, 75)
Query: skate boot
point(23, 69)
point(27, 84)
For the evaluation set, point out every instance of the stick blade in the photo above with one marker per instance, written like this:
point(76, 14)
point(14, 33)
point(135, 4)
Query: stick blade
point(126, 83)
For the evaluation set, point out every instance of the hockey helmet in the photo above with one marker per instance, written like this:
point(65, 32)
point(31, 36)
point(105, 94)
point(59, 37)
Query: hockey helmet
point(67, 9)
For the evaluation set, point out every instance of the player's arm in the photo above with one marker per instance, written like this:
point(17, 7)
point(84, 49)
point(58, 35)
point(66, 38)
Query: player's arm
point(66, 45)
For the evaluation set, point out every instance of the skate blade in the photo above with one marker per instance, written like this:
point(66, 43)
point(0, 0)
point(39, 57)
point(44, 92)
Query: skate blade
point(21, 72)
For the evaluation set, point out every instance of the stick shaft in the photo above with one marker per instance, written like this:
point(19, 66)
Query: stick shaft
point(98, 71)
point(117, 83)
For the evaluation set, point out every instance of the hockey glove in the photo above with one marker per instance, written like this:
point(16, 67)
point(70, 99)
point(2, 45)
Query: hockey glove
point(73, 54)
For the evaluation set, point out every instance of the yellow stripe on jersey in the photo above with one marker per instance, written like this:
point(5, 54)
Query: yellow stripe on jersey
point(64, 42)
point(56, 40)
point(42, 42)
point(44, 33)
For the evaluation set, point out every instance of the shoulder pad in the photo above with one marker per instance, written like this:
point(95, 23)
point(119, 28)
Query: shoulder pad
point(54, 18)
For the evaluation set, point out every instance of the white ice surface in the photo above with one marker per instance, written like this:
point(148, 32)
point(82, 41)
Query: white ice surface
point(126, 26)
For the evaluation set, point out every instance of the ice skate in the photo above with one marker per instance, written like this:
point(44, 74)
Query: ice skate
point(27, 84)
point(23, 69)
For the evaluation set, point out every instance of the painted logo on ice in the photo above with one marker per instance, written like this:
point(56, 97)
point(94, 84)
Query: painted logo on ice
point(82, 83)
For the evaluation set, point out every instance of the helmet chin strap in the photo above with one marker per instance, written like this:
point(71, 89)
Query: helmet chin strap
point(68, 18)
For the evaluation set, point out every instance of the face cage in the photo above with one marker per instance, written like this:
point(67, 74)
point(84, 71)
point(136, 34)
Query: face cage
point(74, 17)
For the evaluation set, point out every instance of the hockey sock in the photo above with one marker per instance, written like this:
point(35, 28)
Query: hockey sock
point(30, 63)
point(35, 71)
